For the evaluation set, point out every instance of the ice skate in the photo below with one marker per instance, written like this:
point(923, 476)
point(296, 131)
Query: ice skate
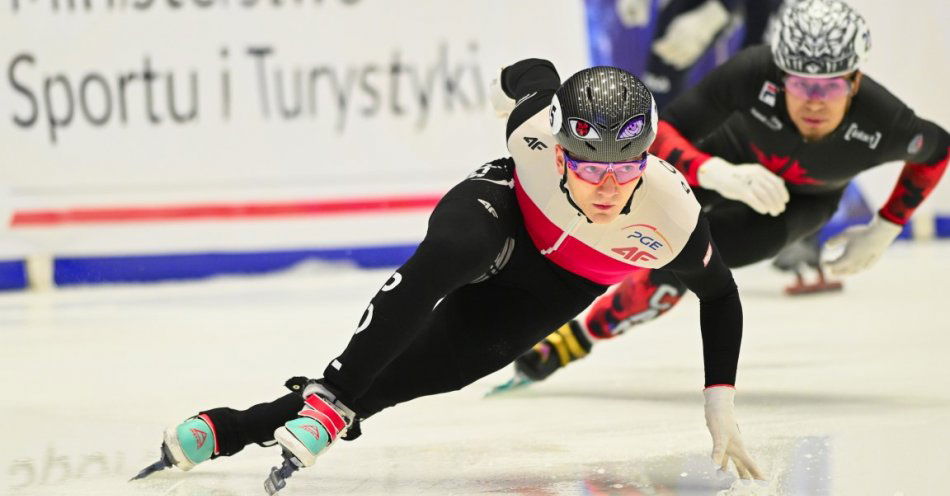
point(822, 285)
point(799, 257)
point(184, 446)
point(561, 347)
point(517, 382)
point(322, 420)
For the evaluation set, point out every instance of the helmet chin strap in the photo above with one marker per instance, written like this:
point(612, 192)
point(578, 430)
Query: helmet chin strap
point(567, 194)
point(626, 208)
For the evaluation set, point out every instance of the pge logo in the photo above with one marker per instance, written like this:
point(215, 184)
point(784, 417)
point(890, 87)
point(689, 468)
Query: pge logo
point(648, 236)
point(648, 239)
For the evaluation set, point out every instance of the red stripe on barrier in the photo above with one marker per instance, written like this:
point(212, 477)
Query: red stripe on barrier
point(223, 211)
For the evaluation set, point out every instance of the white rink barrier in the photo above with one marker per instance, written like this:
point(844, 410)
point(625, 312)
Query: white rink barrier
point(145, 130)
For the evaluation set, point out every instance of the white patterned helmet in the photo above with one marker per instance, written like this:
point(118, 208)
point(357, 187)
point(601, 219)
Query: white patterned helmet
point(820, 38)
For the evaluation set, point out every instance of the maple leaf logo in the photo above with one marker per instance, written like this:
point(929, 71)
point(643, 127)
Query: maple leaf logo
point(786, 168)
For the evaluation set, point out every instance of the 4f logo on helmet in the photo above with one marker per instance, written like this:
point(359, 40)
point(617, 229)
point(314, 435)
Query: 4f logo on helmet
point(534, 143)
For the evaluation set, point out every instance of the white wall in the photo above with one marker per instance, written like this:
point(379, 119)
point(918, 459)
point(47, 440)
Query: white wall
point(398, 131)
point(909, 56)
point(399, 103)
point(364, 119)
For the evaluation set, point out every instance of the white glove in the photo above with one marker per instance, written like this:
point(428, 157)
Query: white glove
point(727, 443)
point(502, 103)
point(863, 245)
point(751, 184)
point(633, 13)
point(690, 34)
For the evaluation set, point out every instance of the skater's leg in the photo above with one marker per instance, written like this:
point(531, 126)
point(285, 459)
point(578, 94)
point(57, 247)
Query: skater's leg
point(745, 237)
point(477, 330)
point(469, 237)
point(468, 230)
point(462, 243)
point(235, 429)
point(222, 432)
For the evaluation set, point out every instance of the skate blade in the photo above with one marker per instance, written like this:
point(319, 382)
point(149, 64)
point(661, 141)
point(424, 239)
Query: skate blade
point(516, 382)
point(805, 289)
point(277, 479)
point(163, 463)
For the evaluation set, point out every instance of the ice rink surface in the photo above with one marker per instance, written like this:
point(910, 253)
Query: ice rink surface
point(843, 394)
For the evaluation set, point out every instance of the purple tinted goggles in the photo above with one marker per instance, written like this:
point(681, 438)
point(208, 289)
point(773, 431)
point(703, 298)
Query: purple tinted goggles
point(597, 172)
point(817, 88)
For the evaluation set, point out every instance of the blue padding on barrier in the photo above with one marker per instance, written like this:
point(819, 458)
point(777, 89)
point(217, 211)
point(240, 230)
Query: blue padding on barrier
point(151, 268)
point(12, 274)
point(908, 231)
point(942, 228)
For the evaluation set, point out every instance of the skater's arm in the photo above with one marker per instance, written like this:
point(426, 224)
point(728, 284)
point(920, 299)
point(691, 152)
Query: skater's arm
point(461, 244)
point(702, 270)
point(531, 83)
point(700, 110)
point(700, 267)
point(527, 76)
point(925, 147)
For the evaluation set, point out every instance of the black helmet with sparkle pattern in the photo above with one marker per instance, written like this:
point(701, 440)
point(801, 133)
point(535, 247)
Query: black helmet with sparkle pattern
point(604, 114)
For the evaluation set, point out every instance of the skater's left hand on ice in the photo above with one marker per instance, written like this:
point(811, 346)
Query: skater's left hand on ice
point(863, 245)
point(727, 442)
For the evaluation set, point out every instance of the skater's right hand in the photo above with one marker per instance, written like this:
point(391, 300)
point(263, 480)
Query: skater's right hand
point(751, 184)
point(727, 442)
